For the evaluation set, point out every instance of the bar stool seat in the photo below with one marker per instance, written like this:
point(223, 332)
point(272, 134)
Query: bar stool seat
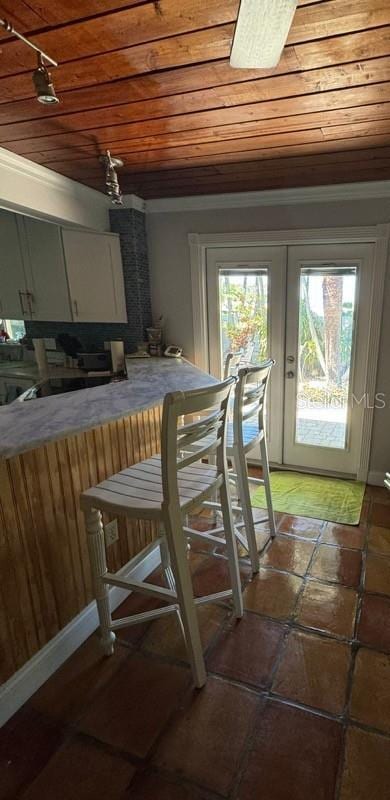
point(138, 490)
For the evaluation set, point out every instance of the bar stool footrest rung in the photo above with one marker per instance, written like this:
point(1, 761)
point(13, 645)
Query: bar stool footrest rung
point(139, 586)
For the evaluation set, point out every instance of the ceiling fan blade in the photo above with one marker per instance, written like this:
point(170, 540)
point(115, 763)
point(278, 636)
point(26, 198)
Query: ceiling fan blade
point(261, 33)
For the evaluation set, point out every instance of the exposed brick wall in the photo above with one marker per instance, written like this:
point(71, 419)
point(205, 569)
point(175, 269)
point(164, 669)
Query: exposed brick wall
point(130, 224)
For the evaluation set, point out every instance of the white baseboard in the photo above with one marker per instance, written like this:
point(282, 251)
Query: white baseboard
point(26, 681)
point(376, 478)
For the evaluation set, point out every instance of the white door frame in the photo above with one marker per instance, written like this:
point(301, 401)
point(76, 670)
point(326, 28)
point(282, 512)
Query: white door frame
point(376, 234)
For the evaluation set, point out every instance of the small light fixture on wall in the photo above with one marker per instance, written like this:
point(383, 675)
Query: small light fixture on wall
point(41, 77)
point(111, 164)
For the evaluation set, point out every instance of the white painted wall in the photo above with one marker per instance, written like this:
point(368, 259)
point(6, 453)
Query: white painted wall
point(39, 192)
point(170, 272)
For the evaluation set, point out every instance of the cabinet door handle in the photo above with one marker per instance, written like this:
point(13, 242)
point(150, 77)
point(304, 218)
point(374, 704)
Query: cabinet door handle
point(21, 295)
point(76, 308)
point(30, 301)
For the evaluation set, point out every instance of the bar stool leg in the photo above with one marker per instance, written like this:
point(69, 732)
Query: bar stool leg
point(178, 551)
point(231, 547)
point(245, 503)
point(97, 555)
point(166, 564)
point(267, 485)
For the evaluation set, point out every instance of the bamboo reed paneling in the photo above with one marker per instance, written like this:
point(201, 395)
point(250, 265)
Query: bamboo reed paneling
point(44, 566)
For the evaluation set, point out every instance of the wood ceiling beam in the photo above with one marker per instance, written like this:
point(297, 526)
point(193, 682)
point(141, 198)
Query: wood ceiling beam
point(188, 48)
point(252, 168)
point(322, 146)
point(279, 169)
point(245, 162)
point(283, 86)
point(266, 111)
point(56, 12)
point(357, 173)
point(48, 13)
point(180, 156)
point(108, 79)
point(151, 22)
point(151, 81)
point(374, 116)
point(287, 181)
point(280, 158)
point(109, 32)
point(149, 159)
point(23, 17)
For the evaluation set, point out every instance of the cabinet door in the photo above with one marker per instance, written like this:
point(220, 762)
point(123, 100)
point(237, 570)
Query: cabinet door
point(95, 276)
point(45, 270)
point(13, 297)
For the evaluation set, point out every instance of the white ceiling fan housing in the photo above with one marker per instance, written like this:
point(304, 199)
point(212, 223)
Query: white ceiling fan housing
point(261, 33)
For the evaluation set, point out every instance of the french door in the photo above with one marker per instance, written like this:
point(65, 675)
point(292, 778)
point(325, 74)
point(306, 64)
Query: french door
point(308, 307)
point(245, 287)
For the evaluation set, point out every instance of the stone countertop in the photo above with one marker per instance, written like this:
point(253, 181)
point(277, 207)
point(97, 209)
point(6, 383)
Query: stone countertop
point(30, 424)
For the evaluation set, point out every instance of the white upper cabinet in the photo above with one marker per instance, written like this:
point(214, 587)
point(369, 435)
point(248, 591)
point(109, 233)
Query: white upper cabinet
point(95, 276)
point(48, 293)
point(49, 273)
point(13, 297)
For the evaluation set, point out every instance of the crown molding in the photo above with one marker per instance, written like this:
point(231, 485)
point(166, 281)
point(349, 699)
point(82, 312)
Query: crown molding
point(272, 197)
point(30, 188)
point(29, 169)
point(26, 168)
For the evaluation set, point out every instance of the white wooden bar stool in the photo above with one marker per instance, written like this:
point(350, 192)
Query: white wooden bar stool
point(243, 433)
point(166, 489)
point(248, 430)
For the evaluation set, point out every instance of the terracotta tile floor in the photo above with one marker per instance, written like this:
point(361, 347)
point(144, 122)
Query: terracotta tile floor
point(297, 703)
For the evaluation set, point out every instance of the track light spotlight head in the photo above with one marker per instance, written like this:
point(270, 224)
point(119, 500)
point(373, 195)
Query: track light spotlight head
point(43, 84)
point(112, 183)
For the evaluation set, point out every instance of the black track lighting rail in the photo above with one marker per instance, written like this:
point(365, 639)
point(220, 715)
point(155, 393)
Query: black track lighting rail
point(4, 23)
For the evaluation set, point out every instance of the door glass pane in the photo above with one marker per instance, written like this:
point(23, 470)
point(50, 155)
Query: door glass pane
point(243, 310)
point(325, 351)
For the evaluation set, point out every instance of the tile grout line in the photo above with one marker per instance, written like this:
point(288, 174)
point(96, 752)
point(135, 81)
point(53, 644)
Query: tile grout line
point(354, 651)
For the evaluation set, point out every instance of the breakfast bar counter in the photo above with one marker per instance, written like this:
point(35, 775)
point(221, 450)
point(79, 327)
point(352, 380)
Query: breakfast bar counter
point(25, 425)
point(51, 449)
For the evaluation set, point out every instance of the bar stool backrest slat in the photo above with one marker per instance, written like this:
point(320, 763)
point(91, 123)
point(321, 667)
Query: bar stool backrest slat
point(208, 432)
point(249, 399)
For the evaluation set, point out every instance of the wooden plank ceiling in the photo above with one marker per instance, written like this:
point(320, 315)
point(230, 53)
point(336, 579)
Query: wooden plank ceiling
point(151, 81)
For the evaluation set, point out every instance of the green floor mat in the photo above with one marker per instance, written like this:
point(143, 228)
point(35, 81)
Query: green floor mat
point(303, 495)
